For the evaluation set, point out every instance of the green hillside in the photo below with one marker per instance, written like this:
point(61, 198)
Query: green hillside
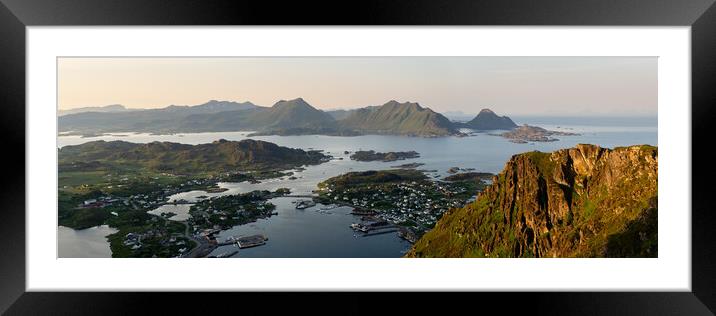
point(218, 156)
point(399, 118)
point(579, 202)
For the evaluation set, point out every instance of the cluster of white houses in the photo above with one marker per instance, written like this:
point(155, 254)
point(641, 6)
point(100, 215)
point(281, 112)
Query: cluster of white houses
point(415, 202)
point(134, 240)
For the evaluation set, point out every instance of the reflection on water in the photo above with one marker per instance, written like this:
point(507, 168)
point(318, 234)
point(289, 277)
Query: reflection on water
point(312, 233)
point(85, 243)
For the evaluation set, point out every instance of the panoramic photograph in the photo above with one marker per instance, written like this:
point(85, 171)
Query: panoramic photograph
point(357, 157)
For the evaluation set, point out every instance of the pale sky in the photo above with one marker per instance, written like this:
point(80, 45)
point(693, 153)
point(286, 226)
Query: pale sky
point(507, 85)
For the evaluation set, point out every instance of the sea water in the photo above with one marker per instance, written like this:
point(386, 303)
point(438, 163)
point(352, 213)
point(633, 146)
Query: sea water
point(312, 233)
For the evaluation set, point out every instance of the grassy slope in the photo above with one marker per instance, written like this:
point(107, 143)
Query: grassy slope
point(618, 221)
point(173, 157)
point(397, 118)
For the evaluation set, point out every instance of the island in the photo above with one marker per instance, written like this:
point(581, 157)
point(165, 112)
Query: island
point(118, 183)
point(371, 155)
point(411, 165)
point(527, 133)
point(469, 176)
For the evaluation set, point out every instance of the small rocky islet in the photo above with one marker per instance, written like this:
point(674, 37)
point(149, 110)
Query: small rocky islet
point(371, 155)
point(585, 201)
point(527, 133)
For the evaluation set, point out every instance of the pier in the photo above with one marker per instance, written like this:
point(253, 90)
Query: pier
point(251, 241)
point(380, 232)
point(246, 242)
point(360, 211)
point(374, 228)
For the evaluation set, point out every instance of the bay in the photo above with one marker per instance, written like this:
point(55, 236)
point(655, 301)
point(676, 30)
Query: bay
point(312, 233)
point(85, 243)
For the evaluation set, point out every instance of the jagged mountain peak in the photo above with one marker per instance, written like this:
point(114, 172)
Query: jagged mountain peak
point(294, 103)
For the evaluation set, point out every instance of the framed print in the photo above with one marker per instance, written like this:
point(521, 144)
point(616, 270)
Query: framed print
point(414, 146)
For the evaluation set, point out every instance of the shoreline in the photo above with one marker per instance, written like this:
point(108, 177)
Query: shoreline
point(340, 149)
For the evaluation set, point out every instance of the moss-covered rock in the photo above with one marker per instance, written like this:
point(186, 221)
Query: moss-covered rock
point(585, 201)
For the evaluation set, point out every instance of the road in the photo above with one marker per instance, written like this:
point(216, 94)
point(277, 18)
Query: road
point(203, 247)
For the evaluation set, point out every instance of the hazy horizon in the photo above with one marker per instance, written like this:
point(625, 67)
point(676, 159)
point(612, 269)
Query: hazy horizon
point(525, 86)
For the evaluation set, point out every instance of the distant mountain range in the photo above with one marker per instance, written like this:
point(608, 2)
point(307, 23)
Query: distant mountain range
point(212, 106)
point(286, 117)
point(105, 109)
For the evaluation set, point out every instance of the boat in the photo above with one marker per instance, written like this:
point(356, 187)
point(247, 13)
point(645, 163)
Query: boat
point(304, 204)
point(360, 227)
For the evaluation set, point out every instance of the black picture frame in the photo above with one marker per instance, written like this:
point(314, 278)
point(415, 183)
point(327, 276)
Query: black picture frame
point(16, 15)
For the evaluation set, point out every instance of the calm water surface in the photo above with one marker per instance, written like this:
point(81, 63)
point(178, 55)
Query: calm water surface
point(85, 243)
point(314, 233)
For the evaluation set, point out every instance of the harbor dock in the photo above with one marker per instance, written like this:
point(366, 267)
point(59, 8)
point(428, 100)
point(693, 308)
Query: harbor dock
point(380, 232)
point(251, 241)
point(360, 211)
point(247, 241)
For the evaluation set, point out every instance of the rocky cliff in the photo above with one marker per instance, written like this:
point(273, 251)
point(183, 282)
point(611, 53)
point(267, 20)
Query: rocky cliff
point(585, 201)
